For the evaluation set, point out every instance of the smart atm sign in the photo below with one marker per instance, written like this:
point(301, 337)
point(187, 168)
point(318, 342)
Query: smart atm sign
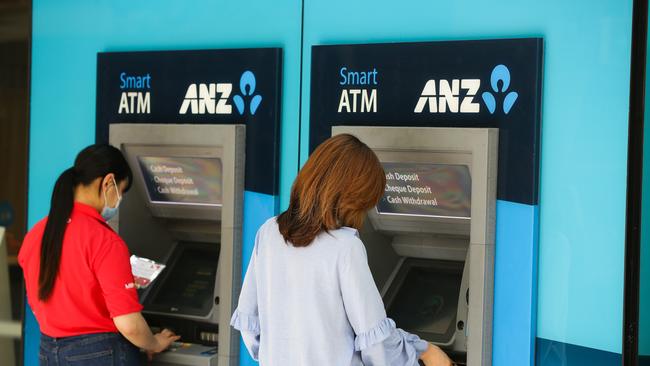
point(488, 83)
point(220, 86)
point(359, 90)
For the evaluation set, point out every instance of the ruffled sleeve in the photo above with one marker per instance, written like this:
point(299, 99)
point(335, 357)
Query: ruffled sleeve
point(249, 327)
point(245, 322)
point(378, 339)
point(387, 345)
point(246, 316)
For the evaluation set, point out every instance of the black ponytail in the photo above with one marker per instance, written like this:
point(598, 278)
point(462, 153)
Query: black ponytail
point(95, 161)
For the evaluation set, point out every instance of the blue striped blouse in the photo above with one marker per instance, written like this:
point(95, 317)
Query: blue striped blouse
point(317, 305)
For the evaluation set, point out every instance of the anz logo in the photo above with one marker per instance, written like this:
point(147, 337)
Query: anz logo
point(500, 74)
point(202, 99)
point(447, 96)
point(214, 98)
point(440, 96)
point(247, 89)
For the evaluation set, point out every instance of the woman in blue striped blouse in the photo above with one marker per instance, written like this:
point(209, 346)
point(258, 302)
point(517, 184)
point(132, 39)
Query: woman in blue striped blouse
point(308, 298)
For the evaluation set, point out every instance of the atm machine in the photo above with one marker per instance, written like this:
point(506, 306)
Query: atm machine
point(185, 210)
point(430, 240)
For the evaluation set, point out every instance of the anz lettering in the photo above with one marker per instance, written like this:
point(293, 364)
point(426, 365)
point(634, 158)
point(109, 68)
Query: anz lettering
point(207, 98)
point(455, 96)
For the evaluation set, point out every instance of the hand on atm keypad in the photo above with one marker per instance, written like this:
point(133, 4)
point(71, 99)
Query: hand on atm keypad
point(165, 339)
point(434, 356)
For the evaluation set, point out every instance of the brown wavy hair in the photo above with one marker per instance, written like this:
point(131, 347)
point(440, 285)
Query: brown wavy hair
point(340, 182)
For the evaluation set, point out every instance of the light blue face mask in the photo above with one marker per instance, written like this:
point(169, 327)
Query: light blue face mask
point(109, 212)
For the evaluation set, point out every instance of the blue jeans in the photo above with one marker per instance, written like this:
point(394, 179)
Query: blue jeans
point(102, 349)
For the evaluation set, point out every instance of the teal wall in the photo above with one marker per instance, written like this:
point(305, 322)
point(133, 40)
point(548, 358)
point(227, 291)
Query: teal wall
point(68, 34)
point(66, 38)
point(585, 104)
point(584, 138)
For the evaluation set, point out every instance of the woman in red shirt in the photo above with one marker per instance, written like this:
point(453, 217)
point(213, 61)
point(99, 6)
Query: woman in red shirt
point(77, 272)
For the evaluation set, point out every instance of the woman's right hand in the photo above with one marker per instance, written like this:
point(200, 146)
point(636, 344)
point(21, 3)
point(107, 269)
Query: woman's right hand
point(434, 356)
point(165, 339)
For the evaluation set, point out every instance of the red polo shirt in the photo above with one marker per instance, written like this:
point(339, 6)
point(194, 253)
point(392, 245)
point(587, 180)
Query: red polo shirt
point(95, 283)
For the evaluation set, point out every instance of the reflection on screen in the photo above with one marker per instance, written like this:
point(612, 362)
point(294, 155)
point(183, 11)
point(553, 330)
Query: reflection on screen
point(420, 189)
point(427, 301)
point(182, 179)
point(190, 282)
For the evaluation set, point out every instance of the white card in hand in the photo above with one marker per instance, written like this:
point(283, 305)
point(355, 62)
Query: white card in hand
point(144, 271)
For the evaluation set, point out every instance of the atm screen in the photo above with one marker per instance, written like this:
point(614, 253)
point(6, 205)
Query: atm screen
point(188, 286)
point(425, 300)
point(182, 180)
point(431, 190)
